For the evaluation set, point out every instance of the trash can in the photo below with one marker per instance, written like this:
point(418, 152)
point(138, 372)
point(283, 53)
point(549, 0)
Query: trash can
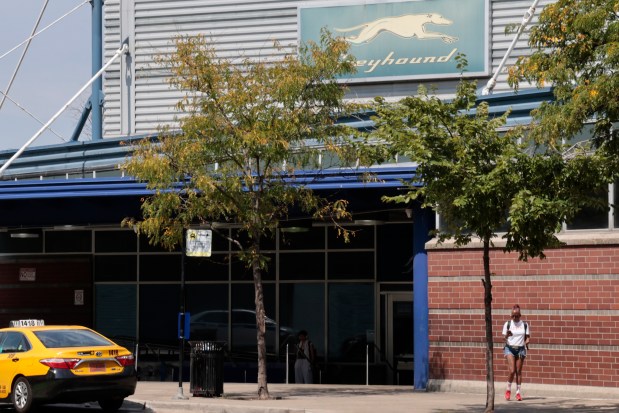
point(206, 369)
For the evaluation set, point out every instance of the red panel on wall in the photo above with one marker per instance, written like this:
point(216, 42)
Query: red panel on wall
point(58, 291)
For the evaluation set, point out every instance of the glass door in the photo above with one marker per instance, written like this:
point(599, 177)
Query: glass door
point(399, 336)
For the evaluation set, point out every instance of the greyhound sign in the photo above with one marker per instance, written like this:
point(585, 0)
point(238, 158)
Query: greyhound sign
point(405, 40)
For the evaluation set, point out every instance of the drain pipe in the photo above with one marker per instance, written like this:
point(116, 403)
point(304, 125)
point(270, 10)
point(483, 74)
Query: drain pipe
point(528, 15)
point(96, 97)
point(124, 49)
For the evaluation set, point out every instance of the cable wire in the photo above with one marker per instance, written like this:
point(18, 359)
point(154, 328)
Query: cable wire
point(45, 28)
point(124, 49)
point(21, 59)
point(5, 96)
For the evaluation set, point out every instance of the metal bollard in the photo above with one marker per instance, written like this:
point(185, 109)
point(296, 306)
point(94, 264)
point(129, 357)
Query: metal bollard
point(287, 366)
point(367, 365)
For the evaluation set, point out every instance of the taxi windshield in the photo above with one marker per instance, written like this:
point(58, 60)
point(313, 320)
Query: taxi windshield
point(71, 338)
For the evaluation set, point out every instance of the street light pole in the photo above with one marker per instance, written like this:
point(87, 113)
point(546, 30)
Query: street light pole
point(181, 323)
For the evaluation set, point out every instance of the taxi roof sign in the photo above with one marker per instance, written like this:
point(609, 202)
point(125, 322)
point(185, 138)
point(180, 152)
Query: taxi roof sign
point(27, 323)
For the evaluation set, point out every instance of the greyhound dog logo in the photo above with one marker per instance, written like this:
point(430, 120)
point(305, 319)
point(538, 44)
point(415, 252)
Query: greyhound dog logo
point(407, 26)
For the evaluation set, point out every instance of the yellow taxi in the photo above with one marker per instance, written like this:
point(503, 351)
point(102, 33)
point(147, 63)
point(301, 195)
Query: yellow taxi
point(42, 364)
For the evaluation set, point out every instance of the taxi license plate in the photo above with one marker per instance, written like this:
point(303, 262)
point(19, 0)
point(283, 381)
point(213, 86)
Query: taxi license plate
point(96, 366)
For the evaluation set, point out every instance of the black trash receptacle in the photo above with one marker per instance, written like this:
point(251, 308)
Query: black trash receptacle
point(206, 372)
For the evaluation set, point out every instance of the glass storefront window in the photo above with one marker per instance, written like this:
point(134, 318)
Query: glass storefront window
point(146, 246)
point(395, 252)
point(240, 271)
point(345, 265)
point(302, 307)
point(208, 306)
point(115, 311)
point(302, 266)
point(160, 267)
point(351, 320)
point(159, 306)
point(115, 267)
point(244, 318)
point(220, 240)
point(362, 238)
point(213, 268)
point(68, 241)
point(267, 241)
point(12, 243)
point(312, 239)
point(115, 241)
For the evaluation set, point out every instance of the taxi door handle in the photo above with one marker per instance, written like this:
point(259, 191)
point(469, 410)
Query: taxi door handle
point(15, 360)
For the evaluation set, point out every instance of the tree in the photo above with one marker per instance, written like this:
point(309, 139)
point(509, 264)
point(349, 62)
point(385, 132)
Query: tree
point(576, 51)
point(483, 182)
point(250, 126)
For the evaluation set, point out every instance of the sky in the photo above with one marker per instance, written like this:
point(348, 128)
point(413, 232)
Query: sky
point(55, 67)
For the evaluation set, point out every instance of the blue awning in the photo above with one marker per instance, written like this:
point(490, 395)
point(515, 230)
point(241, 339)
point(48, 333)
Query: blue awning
point(383, 177)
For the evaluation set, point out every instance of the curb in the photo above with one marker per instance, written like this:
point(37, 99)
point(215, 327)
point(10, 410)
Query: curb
point(530, 389)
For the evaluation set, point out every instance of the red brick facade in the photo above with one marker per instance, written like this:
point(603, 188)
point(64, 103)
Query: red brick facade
point(569, 299)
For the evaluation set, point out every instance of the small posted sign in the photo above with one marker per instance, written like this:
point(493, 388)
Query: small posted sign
point(198, 242)
point(27, 274)
point(78, 297)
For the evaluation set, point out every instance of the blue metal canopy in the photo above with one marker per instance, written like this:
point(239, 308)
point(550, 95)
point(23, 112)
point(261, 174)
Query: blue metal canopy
point(115, 187)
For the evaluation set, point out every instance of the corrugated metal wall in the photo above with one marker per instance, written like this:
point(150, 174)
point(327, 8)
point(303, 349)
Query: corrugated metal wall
point(140, 100)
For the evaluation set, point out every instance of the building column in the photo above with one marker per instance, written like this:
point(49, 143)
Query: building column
point(96, 97)
point(421, 227)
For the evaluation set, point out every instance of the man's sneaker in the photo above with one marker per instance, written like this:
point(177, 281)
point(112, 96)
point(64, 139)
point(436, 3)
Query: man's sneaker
point(518, 397)
point(508, 395)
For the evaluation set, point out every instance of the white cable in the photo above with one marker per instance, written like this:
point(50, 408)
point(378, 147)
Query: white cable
point(21, 59)
point(4, 95)
point(45, 28)
point(119, 52)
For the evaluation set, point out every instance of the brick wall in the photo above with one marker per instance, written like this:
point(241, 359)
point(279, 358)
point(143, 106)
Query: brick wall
point(569, 299)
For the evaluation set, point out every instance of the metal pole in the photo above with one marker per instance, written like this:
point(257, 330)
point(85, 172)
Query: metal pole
point(367, 364)
point(287, 366)
point(183, 314)
point(119, 52)
point(528, 15)
point(96, 95)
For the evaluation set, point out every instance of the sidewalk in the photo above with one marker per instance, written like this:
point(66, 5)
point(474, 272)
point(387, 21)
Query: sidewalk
point(162, 397)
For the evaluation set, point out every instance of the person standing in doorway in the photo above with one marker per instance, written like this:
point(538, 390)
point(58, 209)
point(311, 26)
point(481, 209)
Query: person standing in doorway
point(305, 355)
point(517, 335)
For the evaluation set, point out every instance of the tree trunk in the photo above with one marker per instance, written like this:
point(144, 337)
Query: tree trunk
point(263, 390)
point(489, 336)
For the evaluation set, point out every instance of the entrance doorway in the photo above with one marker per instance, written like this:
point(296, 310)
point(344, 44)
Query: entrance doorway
point(399, 336)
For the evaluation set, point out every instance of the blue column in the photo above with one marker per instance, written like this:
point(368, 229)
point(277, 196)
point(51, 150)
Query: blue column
point(421, 227)
point(96, 97)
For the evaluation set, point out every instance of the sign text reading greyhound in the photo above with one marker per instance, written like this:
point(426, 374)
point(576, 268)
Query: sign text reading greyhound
point(405, 39)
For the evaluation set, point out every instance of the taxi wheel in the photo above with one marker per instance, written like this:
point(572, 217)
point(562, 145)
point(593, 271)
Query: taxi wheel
point(22, 395)
point(111, 405)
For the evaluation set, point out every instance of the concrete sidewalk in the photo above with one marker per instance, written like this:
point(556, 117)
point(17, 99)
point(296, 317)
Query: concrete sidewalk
point(162, 397)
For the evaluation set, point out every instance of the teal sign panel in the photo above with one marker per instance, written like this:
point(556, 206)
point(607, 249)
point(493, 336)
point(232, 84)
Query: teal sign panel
point(404, 40)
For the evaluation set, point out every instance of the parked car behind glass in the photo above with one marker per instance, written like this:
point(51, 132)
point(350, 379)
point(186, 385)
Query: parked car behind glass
point(212, 325)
